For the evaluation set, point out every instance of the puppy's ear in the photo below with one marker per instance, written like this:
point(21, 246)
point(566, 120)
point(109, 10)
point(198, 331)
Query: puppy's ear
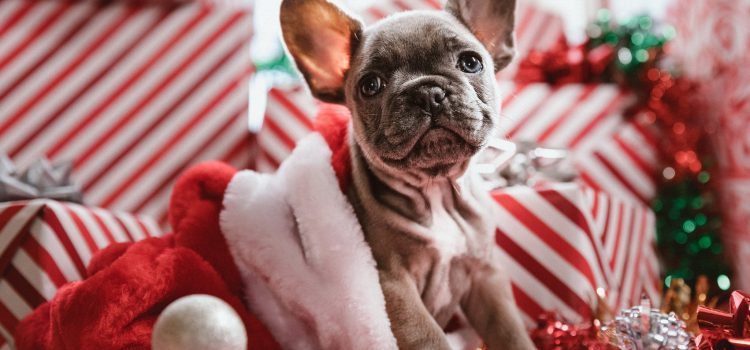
point(321, 38)
point(492, 22)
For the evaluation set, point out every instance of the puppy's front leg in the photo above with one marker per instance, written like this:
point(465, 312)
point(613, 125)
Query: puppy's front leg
point(412, 324)
point(490, 308)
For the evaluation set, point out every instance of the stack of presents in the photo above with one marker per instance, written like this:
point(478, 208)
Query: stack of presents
point(133, 92)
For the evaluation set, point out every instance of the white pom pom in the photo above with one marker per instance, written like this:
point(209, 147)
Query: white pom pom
point(199, 321)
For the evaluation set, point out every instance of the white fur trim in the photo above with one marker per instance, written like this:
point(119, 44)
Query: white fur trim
point(308, 272)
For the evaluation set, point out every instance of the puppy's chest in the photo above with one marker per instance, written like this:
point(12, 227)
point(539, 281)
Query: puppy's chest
point(453, 243)
point(448, 233)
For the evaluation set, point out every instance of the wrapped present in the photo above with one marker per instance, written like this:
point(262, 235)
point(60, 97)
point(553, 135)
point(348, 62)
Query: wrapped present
point(564, 244)
point(289, 117)
point(536, 30)
point(131, 92)
point(612, 154)
point(45, 244)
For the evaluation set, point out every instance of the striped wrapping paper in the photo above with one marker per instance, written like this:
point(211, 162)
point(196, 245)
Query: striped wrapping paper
point(381, 9)
point(611, 154)
point(45, 244)
point(289, 115)
point(131, 93)
point(560, 244)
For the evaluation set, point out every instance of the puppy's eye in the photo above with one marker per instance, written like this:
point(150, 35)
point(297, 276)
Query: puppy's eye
point(470, 63)
point(371, 85)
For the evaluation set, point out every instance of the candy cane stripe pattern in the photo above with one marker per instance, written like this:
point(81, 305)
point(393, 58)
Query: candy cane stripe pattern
point(612, 154)
point(563, 243)
point(45, 244)
point(132, 94)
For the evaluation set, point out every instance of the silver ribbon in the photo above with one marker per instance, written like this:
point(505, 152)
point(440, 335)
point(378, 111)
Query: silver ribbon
point(40, 180)
point(506, 163)
point(644, 328)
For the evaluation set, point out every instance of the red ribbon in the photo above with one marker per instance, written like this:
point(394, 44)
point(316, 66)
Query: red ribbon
point(725, 330)
point(565, 64)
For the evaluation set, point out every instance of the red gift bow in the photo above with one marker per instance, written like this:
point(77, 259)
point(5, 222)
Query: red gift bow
point(725, 330)
point(565, 64)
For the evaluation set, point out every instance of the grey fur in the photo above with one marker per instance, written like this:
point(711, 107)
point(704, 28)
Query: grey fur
point(423, 214)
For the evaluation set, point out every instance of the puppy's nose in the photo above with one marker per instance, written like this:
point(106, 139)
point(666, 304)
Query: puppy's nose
point(430, 98)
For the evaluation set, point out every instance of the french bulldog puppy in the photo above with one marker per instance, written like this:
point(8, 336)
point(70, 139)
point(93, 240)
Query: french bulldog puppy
point(420, 87)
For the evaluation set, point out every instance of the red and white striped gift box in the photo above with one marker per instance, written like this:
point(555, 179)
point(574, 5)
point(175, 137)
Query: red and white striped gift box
point(612, 154)
point(561, 243)
point(289, 117)
point(132, 93)
point(381, 9)
point(45, 244)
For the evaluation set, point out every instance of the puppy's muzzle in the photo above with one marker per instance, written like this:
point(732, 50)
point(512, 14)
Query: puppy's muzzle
point(429, 98)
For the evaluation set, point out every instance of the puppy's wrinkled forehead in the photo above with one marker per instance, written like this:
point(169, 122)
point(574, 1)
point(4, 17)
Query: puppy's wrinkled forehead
point(414, 41)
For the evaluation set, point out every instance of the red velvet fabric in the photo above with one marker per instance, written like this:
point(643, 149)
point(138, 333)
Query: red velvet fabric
point(332, 122)
point(129, 284)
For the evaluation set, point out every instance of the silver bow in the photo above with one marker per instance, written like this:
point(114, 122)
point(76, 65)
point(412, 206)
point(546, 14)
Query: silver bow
point(506, 163)
point(644, 328)
point(40, 180)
